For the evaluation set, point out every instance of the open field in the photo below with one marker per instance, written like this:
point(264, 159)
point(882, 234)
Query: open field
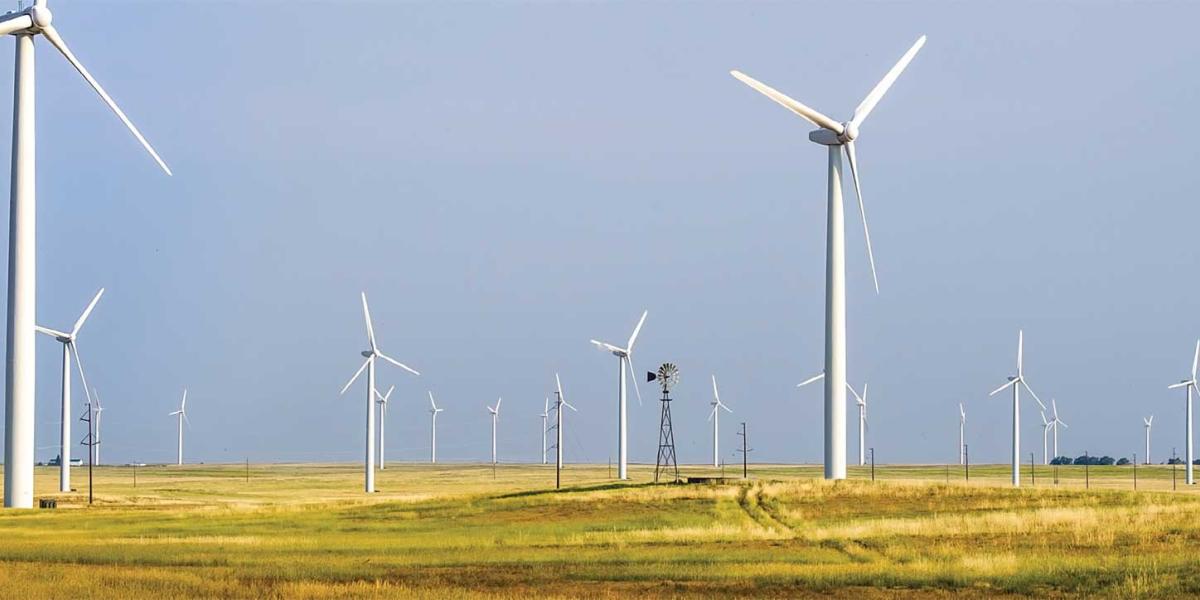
point(455, 531)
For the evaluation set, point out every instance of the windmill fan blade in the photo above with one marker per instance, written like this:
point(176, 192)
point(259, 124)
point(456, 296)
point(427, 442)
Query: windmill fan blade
point(1001, 388)
point(87, 311)
point(862, 210)
point(356, 374)
point(810, 115)
point(370, 328)
point(51, 35)
point(398, 363)
point(868, 104)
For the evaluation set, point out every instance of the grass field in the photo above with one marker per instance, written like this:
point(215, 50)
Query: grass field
point(466, 531)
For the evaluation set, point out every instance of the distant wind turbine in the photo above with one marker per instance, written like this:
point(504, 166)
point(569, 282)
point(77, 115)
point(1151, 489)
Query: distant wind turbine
point(1189, 385)
point(433, 413)
point(862, 423)
point(382, 400)
point(962, 438)
point(369, 365)
point(715, 417)
point(1054, 423)
point(495, 415)
point(1046, 425)
point(1149, 422)
point(68, 340)
point(625, 364)
point(99, 438)
point(559, 402)
point(1016, 383)
point(838, 137)
point(181, 416)
point(545, 415)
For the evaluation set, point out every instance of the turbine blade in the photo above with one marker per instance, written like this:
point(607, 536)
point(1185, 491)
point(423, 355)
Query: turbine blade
point(856, 396)
point(716, 395)
point(810, 115)
point(726, 408)
point(51, 35)
point(82, 377)
point(629, 359)
point(498, 401)
point(370, 329)
point(14, 23)
point(1195, 359)
point(568, 405)
point(356, 374)
point(87, 311)
point(862, 209)
point(710, 415)
point(1178, 385)
point(183, 405)
point(868, 104)
point(397, 363)
point(638, 329)
point(1001, 388)
point(558, 383)
point(817, 377)
point(431, 402)
point(1032, 393)
point(51, 332)
point(1064, 424)
point(1020, 351)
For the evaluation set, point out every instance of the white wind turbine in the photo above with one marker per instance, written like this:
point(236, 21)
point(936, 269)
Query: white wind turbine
point(99, 438)
point(715, 417)
point(19, 391)
point(862, 422)
point(1189, 385)
point(625, 358)
point(1046, 425)
point(68, 340)
point(962, 438)
point(1054, 423)
point(1016, 383)
point(545, 415)
point(838, 137)
point(559, 403)
point(433, 413)
point(1148, 423)
point(181, 416)
point(369, 366)
point(382, 400)
point(495, 415)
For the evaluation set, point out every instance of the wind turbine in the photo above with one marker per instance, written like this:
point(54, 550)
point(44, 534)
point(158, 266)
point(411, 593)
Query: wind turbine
point(181, 416)
point(559, 402)
point(19, 394)
point(1054, 423)
point(962, 429)
point(433, 412)
point(1148, 423)
point(69, 348)
point(625, 359)
point(495, 415)
point(1016, 383)
point(382, 400)
point(862, 422)
point(838, 137)
point(99, 438)
point(1189, 385)
point(715, 417)
point(1046, 425)
point(545, 417)
point(369, 366)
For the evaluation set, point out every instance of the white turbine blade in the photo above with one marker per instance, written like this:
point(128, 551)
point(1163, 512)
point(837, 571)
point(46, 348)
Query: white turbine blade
point(546, 407)
point(716, 395)
point(87, 311)
point(171, 414)
point(1032, 393)
point(638, 329)
point(811, 379)
point(557, 382)
point(862, 209)
point(810, 115)
point(356, 374)
point(726, 408)
point(370, 329)
point(183, 405)
point(1001, 388)
point(82, 377)
point(1044, 421)
point(15, 22)
point(384, 398)
point(633, 375)
point(568, 405)
point(498, 401)
point(608, 347)
point(51, 35)
point(714, 411)
point(432, 404)
point(1063, 424)
point(856, 396)
point(54, 333)
point(1195, 360)
point(962, 412)
point(1020, 351)
point(1179, 385)
point(1054, 408)
point(868, 104)
point(397, 363)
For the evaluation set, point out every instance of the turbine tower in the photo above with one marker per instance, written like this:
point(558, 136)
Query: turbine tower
point(1054, 423)
point(69, 348)
point(839, 137)
point(1046, 425)
point(369, 366)
point(433, 413)
point(1148, 423)
point(495, 415)
point(181, 416)
point(1017, 383)
point(1189, 385)
point(382, 401)
point(545, 415)
point(19, 395)
point(715, 417)
point(625, 364)
point(862, 423)
point(962, 438)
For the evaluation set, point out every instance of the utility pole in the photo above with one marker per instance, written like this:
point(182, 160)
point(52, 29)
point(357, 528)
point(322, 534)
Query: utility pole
point(872, 464)
point(88, 440)
point(248, 467)
point(745, 451)
point(1135, 470)
point(1087, 482)
point(1032, 472)
point(558, 441)
point(966, 462)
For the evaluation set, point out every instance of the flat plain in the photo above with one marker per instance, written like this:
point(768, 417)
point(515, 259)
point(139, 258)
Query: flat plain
point(471, 531)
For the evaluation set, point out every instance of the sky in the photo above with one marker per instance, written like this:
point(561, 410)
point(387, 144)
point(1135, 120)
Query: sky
point(507, 181)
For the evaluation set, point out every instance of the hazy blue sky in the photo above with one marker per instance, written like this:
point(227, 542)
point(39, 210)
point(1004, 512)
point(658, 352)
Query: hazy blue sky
point(507, 181)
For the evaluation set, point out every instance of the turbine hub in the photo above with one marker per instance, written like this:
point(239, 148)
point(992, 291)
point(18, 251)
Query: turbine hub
point(41, 16)
point(366, 353)
point(849, 132)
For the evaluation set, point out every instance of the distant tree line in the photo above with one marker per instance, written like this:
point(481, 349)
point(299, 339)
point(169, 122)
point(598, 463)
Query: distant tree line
point(1107, 460)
